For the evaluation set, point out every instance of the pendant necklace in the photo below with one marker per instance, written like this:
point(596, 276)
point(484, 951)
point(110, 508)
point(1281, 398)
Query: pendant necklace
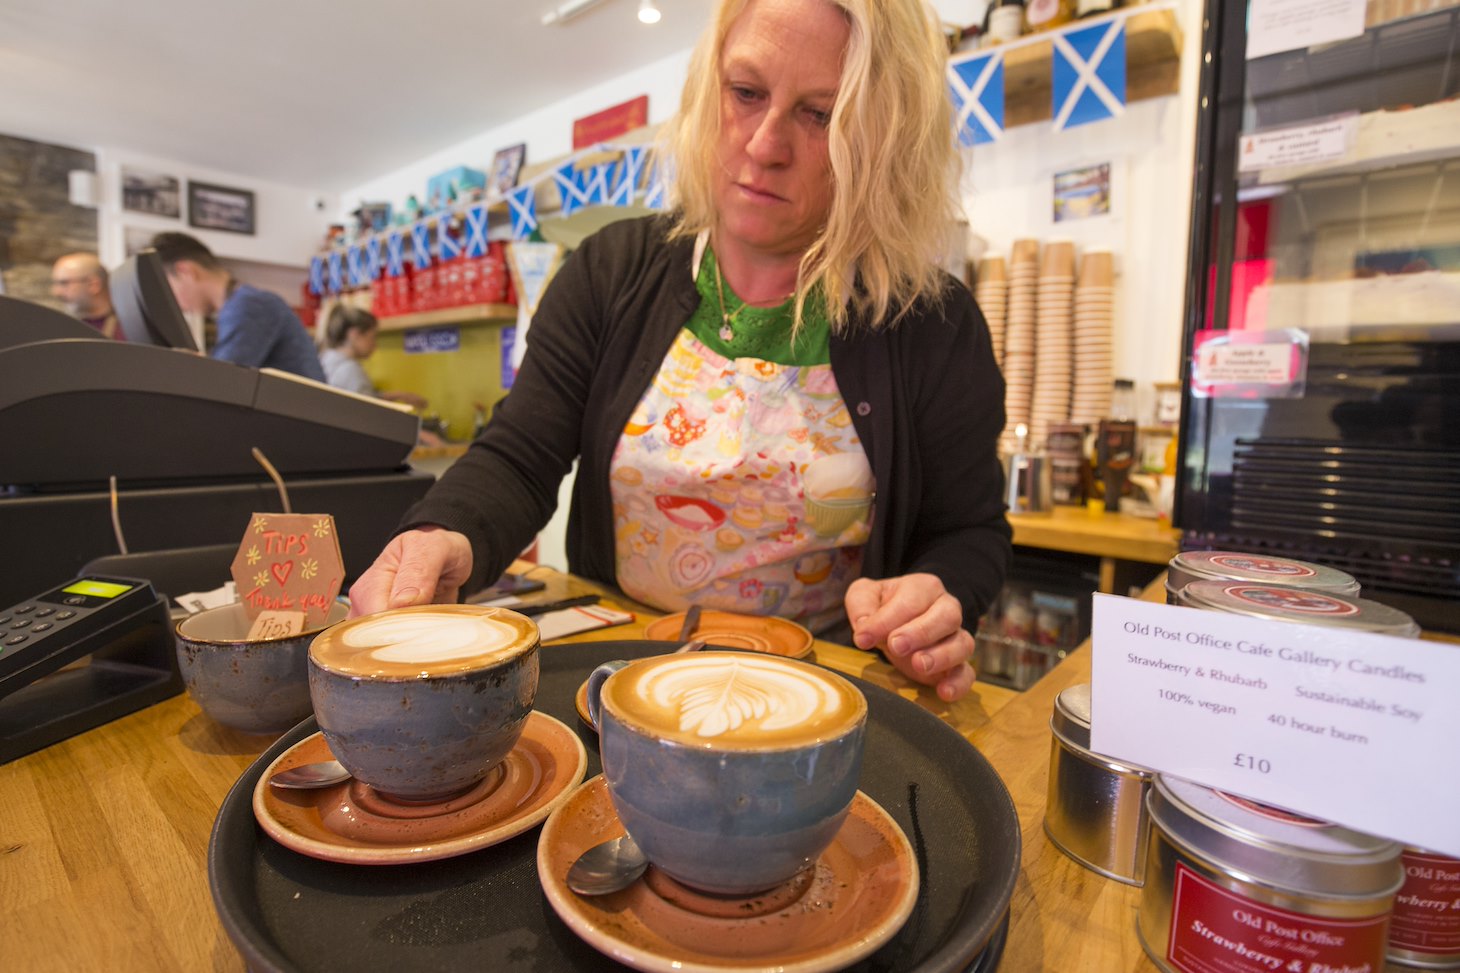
point(727, 320)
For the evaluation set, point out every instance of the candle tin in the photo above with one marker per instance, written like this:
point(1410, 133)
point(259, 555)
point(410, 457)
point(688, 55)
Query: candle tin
point(1189, 566)
point(1237, 886)
point(1281, 603)
point(1096, 807)
point(1425, 928)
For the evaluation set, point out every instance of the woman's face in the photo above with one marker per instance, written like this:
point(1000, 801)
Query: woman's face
point(780, 69)
point(362, 343)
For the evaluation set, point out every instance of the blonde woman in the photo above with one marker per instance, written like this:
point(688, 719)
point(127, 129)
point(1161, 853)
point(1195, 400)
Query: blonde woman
point(778, 402)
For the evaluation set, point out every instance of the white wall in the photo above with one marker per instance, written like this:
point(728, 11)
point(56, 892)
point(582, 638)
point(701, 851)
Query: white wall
point(1008, 195)
point(290, 221)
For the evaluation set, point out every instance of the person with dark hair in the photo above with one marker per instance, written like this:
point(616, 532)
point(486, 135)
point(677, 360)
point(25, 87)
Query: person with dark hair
point(255, 328)
point(79, 282)
point(349, 339)
point(778, 401)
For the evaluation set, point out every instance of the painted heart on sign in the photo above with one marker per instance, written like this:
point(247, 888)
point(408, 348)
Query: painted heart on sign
point(281, 571)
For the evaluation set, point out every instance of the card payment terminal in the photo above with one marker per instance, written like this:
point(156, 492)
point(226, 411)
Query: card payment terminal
point(80, 655)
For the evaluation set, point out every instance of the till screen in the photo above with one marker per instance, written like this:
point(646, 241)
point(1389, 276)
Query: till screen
point(97, 589)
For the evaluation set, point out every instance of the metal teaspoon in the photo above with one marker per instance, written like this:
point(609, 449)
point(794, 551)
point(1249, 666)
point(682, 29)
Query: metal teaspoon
point(308, 776)
point(607, 867)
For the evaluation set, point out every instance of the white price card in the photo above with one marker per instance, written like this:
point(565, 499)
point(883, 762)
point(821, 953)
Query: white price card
point(1348, 726)
point(1285, 25)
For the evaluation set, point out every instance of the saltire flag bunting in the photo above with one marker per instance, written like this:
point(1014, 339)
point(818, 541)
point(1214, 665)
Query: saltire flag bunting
point(596, 183)
point(476, 230)
point(316, 276)
point(421, 245)
point(1087, 77)
point(977, 86)
point(395, 254)
point(656, 194)
point(626, 172)
point(571, 188)
point(449, 246)
point(336, 283)
point(353, 272)
point(371, 264)
point(522, 201)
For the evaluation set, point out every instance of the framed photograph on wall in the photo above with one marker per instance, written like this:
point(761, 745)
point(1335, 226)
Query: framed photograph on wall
point(506, 165)
point(220, 208)
point(154, 193)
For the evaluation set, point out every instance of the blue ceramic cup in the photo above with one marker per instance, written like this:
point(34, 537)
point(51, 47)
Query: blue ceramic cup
point(422, 703)
point(731, 770)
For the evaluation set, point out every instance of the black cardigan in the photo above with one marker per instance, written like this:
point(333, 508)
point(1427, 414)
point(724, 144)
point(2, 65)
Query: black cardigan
point(926, 398)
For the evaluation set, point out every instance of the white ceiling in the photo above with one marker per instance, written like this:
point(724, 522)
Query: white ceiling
point(323, 94)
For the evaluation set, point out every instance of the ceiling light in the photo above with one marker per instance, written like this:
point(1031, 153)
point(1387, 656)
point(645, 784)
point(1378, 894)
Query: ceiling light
point(648, 12)
point(566, 11)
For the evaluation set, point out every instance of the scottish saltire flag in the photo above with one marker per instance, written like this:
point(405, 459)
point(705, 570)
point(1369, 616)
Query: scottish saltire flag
point(572, 187)
point(421, 244)
point(476, 230)
point(624, 181)
point(449, 246)
point(1087, 79)
point(522, 202)
point(371, 264)
point(977, 85)
point(395, 254)
point(656, 193)
point(353, 273)
point(596, 183)
point(336, 272)
point(316, 275)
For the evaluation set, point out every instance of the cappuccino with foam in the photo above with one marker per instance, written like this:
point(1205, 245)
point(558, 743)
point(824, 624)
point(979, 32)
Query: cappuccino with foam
point(734, 701)
point(426, 641)
point(423, 702)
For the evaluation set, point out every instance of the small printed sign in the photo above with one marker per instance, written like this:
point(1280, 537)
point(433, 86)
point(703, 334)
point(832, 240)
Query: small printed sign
point(1274, 26)
point(432, 341)
point(1335, 723)
point(1250, 364)
point(611, 122)
point(289, 563)
point(1299, 145)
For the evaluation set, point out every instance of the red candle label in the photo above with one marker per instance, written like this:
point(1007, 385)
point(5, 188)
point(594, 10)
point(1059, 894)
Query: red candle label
point(1214, 930)
point(1427, 909)
point(1247, 562)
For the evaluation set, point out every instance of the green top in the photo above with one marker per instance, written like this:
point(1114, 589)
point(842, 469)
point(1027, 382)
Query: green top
point(759, 332)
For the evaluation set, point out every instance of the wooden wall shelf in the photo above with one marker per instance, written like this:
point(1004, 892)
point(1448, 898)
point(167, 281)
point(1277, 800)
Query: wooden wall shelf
point(464, 314)
point(1153, 67)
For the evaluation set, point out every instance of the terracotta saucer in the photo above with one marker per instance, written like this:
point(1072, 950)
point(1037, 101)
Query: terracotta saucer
point(856, 897)
point(763, 633)
point(351, 822)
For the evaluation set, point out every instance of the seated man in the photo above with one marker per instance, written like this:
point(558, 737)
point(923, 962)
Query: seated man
point(255, 327)
point(79, 282)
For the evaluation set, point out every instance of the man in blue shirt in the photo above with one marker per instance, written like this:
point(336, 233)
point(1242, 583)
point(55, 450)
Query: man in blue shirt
point(255, 327)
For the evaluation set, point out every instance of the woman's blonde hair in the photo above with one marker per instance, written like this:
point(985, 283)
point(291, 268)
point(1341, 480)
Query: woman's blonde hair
point(892, 151)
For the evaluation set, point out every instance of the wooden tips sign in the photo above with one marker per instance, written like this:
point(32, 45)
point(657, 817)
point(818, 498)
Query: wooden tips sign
point(289, 563)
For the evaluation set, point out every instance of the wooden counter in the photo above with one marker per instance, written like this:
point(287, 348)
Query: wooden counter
point(104, 837)
point(1111, 537)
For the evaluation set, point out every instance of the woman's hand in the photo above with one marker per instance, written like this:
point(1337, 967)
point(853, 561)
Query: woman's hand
point(419, 567)
point(919, 625)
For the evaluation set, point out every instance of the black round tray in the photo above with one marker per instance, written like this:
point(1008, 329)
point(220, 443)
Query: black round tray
point(486, 911)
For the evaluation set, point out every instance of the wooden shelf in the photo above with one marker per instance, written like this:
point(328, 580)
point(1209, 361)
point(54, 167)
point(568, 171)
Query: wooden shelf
point(1113, 535)
point(1153, 67)
point(465, 314)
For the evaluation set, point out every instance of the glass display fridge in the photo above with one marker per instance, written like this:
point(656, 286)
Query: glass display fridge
point(1321, 380)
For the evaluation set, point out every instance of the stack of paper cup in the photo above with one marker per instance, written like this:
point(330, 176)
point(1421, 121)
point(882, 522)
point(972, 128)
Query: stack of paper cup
point(1050, 403)
point(992, 293)
point(1019, 335)
point(1094, 341)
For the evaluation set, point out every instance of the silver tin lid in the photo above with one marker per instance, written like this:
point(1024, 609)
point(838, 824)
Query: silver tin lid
point(1071, 724)
point(1189, 566)
point(1281, 603)
point(1273, 846)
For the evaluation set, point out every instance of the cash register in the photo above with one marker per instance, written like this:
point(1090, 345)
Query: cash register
point(140, 448)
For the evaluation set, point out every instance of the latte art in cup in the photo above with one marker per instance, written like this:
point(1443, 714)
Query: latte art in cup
point(437, 641)
point(734, 701)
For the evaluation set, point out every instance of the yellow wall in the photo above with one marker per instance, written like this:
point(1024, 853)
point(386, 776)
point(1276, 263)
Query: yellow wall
point(452, 381)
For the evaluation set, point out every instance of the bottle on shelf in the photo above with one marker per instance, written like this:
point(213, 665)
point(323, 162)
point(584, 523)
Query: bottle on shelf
point(1005, 22)
point(1048, 14)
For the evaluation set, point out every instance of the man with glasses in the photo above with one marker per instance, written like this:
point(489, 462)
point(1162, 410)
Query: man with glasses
point(79, 282)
